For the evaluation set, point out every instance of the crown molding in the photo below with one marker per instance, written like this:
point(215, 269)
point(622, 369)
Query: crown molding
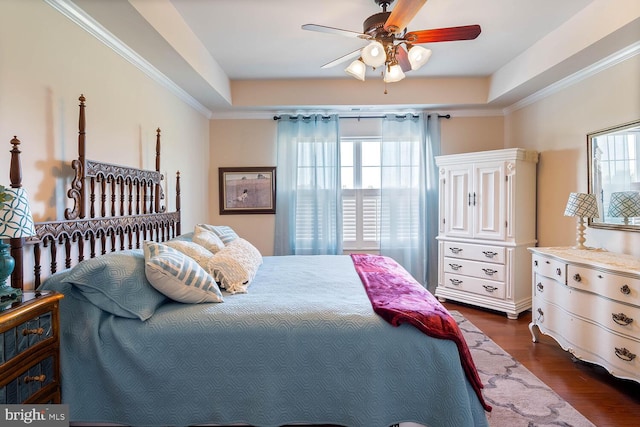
point(91, 26)
point(595, 68)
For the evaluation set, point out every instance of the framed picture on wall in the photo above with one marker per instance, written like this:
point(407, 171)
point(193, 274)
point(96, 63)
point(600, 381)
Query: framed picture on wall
point(249, 190)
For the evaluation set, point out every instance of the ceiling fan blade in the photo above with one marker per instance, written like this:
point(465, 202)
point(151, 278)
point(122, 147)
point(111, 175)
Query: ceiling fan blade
point(466, 32)
point(338, 31)
point(403, 58)
point(348, 56)
point(402, 14)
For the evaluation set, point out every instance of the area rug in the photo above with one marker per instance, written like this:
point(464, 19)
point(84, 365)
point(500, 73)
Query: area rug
point(517, 396)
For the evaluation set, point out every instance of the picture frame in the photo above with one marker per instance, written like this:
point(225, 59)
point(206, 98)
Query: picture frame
point(247, 190)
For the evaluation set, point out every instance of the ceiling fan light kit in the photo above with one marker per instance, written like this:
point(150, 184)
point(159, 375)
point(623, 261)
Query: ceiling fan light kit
point(390, 43)
point(357, 69)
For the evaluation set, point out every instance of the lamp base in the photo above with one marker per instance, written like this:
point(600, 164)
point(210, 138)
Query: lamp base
point(7, 293)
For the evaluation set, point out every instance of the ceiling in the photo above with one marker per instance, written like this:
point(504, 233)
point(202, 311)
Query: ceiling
point(208, 47)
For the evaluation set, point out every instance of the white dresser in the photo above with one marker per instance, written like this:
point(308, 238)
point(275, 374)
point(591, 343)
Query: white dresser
point(487, 220)
point(589, 302)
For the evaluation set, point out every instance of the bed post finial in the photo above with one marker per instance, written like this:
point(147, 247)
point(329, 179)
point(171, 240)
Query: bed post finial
point(15, 175)
point(158, 188)
point(178, 230)
point(77, 191)
point(15, 171)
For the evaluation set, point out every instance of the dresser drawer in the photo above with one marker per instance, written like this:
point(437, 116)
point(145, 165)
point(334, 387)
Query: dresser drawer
point(29, 381)
point(18, 339)
point(549, 268)
point(475, 285)
point(474, 269)
point(612, 315)
point(617, 287)
point(485, 253)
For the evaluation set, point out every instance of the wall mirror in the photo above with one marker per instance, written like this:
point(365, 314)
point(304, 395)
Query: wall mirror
point(614, 176)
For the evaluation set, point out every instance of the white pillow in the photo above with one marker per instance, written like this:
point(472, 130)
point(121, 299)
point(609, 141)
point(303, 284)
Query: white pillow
point(192, 250)
point(178, 276)
point(235, 266)
point(224, 232)
point(207, 239)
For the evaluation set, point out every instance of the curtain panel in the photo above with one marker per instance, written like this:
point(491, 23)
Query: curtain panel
point(309, 202)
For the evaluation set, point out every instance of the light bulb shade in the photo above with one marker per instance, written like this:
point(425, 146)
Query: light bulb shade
point(624, 204)
point(15, 217)
point(357, 69)
point(394, 74)
point(374, 55)
point(418, 56)
point(583, 205)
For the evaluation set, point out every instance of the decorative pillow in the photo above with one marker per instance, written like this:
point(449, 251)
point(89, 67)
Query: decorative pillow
point(192, 250)
point(116, 283)
point(235, 266)
point(224, 232)
point(178, 276)
point(184, 236)
point(207, 239)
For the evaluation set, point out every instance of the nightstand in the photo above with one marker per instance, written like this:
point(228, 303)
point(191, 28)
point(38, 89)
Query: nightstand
point(30, 349)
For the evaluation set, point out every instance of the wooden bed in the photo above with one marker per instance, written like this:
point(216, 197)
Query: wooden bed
point(114, 208)
point(305, 343)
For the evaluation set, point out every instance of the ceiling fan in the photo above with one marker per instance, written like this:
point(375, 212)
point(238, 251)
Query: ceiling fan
point(390, 43)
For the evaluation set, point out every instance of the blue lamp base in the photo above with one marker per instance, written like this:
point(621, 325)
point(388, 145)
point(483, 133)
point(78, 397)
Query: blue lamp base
point(7, 293)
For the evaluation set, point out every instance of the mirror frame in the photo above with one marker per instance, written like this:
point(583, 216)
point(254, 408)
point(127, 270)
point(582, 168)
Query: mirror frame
point(591, 179)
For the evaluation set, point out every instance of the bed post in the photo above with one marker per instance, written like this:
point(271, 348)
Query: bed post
point(15, 175)
point(178, 232)
point(158, 190)
point(77, 190)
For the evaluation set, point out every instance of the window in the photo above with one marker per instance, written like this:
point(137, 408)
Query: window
point(360, 175)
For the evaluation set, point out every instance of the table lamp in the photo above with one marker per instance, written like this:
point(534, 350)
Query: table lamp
point(581, 205)
point(624, 204)
point(15, 222)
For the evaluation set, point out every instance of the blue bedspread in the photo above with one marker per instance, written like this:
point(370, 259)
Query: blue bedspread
point(302, 346)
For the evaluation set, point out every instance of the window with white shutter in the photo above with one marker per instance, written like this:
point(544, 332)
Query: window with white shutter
point(360, 170)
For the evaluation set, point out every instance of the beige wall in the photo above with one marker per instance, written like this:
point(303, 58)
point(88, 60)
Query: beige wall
point(240, 143)
point(43, 70)
point(557, 126)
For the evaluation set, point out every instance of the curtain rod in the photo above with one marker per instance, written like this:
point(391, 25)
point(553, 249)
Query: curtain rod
point(440, 116)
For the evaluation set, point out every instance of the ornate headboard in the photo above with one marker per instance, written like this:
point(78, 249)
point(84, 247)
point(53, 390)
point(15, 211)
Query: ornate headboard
point(114, 208)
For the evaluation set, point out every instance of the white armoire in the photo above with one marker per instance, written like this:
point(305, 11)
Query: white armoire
point(487, 220)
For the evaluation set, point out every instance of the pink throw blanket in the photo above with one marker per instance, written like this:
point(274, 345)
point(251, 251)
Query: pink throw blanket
point(398, 298)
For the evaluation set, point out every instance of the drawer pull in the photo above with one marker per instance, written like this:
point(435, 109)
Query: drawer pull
point(38, 378)
point(625, 290)
point(489, 288)
point(36, 331)
point(577, 278)
point(540, 287)
point(456, 282)
point(558, 272)
point(456, 250)
point(625, 354)
point(489, 254)
point(535, 263)
point(455, 267)
point(540, 314)
point(621, 319)
point(489, 272)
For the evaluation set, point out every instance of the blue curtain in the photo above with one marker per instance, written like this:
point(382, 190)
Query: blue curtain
point(408, 194)
point(308, 201)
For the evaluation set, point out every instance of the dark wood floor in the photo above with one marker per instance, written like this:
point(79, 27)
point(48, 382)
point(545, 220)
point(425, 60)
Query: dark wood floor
point(605, 400)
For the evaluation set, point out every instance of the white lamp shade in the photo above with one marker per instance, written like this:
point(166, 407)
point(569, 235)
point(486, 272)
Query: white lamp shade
point(394, 74)
point(15, 217)
point(374, 55)
point(624, 204)
point(357, 69)
point(418, 56)
point(583, 205)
